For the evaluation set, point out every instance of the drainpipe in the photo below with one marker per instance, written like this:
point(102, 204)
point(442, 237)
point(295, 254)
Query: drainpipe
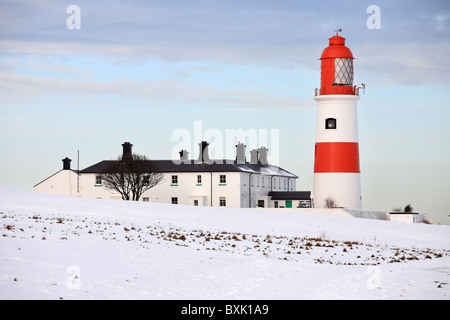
point(211, 188)
point(78, 174)
point(250, 190)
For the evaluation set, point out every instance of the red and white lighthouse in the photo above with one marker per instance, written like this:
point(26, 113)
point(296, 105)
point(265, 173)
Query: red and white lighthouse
point(336, 161)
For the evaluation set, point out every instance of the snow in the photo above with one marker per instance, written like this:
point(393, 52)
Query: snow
point(56, 247)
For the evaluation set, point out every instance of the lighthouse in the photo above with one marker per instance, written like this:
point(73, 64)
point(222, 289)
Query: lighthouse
point(336, 161)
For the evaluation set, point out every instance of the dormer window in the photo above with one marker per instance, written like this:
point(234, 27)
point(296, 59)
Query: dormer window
point(330, 123)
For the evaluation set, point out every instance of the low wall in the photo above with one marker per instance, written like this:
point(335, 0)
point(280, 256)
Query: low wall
point(368, 214)
point(343, 212)
point(424, 218)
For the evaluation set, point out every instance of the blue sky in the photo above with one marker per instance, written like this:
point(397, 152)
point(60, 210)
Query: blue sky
point(139, 70)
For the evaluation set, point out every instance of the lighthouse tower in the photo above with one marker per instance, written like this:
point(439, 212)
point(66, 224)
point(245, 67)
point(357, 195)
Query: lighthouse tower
point(336, 161)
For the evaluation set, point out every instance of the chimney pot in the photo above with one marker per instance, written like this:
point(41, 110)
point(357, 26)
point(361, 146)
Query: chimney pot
point(66, 163)
point(240, 153)
point(254, 156)
point(184, 154)
point(127, 150)
point(263, 156)
point(203, 152)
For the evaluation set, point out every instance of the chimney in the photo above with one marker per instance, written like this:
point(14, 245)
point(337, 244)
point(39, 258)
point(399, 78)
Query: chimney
point(184, 154)
point(127, 153)
point(263, 156)
point(203, 154)
point(240, 153)
point(254, 156)
point(66, 163)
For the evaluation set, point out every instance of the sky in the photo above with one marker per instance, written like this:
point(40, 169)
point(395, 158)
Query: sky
point(166, 74)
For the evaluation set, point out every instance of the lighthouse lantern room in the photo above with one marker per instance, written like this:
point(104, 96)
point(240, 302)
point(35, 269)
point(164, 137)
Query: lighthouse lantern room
point(336, 162)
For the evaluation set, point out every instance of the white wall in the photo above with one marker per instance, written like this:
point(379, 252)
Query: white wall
point(238, 190)
point(404, 217)
point(260, 188)
point(282, 203)
point(64, 182)
point(186, 189)
point(89, 188)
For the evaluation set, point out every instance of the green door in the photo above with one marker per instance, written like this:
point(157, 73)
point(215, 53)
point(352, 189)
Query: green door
point(288, 203)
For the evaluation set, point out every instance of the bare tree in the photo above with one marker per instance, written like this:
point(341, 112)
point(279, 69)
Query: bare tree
point(408, 208)
point(131, 176)
point(330, 203)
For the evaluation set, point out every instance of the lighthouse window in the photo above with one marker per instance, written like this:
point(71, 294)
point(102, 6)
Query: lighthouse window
point(330, 123)
point(343, 72)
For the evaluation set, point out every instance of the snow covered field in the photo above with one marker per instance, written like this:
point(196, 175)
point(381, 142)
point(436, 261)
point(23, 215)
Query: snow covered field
point(55, 247)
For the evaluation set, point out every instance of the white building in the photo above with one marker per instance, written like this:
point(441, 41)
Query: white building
point(412, 217)
point(201, 182)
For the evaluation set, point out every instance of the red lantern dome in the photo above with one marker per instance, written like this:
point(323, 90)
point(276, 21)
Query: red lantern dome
point(337, 68)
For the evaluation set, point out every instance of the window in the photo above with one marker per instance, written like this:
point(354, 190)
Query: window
point(174, 179)
point(304, 204)
point(98, 179)
point(174, 200)
point(223, 201)
point(343, 72)
point(260, 203)
point(330, 123)
point(145, 199)
point(275, 204)
point(199, 178)
point(196, 203)
point(223, 178)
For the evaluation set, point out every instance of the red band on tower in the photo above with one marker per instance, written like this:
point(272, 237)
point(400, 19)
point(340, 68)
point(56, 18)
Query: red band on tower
point(336, 157)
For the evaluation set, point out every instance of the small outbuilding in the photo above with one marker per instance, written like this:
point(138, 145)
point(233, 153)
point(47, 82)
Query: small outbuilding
point(289, 199)
point(411, 217)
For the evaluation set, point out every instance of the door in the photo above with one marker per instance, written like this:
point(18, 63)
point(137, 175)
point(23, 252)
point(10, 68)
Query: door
point(288, 203)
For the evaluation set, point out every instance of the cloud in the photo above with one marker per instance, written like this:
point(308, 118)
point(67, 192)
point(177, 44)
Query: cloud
point(19, 88)
point(409, 49)
point(187, 72)
point(404, 63)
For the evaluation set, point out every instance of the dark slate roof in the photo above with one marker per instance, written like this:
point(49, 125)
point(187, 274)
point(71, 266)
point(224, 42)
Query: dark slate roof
point(195, 166)
point(402, 212)
point(98, 167)
point(290, 195)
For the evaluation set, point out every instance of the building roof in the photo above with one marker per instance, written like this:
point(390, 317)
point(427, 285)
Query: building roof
point(221, 165)
point(290, 195)
point(402, 212)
